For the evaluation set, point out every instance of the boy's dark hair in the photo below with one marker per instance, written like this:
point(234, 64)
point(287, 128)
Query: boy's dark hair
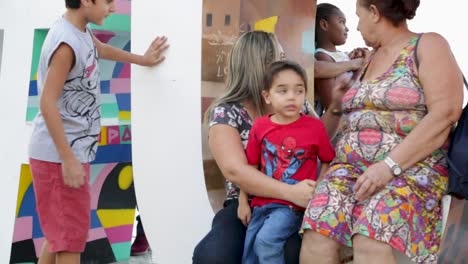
point(283, 65)
point(74, 4)
point(396, 11)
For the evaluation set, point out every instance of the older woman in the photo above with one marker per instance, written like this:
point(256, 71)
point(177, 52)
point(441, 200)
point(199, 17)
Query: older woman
point(384, 188)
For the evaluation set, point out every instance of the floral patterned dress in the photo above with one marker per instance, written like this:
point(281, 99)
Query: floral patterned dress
point(407, 214)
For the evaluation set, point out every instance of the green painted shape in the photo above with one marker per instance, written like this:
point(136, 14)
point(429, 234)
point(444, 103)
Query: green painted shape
point(121, 250)
point(31, 113)
point(115, 22)
point(110, 110)
point(39, 37)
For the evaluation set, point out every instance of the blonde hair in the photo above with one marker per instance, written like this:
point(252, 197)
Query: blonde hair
point(248, 60)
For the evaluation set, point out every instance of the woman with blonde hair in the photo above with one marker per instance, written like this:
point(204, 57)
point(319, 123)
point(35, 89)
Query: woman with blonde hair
point(230, 119)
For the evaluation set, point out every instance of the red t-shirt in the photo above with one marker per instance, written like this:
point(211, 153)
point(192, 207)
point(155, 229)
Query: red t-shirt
point(288, 152)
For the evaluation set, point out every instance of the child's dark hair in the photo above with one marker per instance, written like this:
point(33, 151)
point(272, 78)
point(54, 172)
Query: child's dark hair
point(324, 11)
point(283, 65)
point(74, 4)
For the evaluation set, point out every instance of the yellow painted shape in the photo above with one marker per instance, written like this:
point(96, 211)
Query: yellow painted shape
point(125, 115)
point(116, 217)
point(267, 24)
point(103, 140)
point(125, 177)
point(25, 182)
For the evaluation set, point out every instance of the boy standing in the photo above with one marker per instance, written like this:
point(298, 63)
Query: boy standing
point(66, 129)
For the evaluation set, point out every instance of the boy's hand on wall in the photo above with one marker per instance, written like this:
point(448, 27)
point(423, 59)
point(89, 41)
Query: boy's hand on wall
point(154, 55)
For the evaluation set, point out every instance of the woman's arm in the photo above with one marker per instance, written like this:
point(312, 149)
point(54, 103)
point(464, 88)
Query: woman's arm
point(442, 82)
point(226, 147)
point(443, 91)
point(153, 55)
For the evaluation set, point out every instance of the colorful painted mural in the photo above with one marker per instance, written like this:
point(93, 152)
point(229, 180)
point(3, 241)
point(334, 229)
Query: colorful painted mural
point(223, 21)
point(113, 199)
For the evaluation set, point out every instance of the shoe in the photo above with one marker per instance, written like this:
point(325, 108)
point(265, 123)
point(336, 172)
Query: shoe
point(140, 246)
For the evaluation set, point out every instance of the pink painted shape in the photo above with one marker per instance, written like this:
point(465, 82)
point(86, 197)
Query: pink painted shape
point(38, 242)
point(97, 185)
point(113, 135)
point(120, 85)
point(125, 72)
point(104, 36)
point(119, 234)
point(23, 228)
point(123, 7)
point(96, 233)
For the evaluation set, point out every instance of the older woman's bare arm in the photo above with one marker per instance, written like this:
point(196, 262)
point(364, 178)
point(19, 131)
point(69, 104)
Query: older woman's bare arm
point(442, 82)
point(227, 150)
point(443, 90)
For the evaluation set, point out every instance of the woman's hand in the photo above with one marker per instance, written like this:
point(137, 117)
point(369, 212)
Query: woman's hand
point(301, 193)
point(373, 180)
point(244, 213)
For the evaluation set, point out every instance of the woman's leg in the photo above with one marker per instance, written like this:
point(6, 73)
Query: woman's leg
point(368, 250)
point(224, 244)
point(317, 248)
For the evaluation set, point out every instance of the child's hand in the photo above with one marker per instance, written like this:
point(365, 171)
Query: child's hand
point(153, 56)
point(359, 53)
point(244, 213)
point(73, 173)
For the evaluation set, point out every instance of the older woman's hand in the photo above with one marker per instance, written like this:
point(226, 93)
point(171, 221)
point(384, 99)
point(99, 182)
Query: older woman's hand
point(302, 192)
point(373, 180)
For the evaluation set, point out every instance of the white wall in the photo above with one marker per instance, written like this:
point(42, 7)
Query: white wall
point(166, 130)
point(18, 19)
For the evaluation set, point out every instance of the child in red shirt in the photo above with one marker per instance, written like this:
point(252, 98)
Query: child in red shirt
point(284, 145)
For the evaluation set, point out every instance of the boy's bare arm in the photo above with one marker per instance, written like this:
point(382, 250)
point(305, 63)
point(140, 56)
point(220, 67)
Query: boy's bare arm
point(60, 65)
point(153, 55)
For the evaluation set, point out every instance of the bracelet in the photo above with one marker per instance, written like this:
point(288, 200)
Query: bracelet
point(336, 112)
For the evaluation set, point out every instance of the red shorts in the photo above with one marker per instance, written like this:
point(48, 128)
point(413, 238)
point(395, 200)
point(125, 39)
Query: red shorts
point(64, 212)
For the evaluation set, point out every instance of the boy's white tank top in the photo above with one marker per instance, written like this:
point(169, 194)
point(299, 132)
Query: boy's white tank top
point(79, 104)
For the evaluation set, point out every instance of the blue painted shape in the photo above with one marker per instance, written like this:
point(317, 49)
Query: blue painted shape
point(95, 222)
point(28, 205)
point(105, 87)
point(37, 231)
point(124, 101)
point(33, 88)
point(113, 153)
point(308, 41)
